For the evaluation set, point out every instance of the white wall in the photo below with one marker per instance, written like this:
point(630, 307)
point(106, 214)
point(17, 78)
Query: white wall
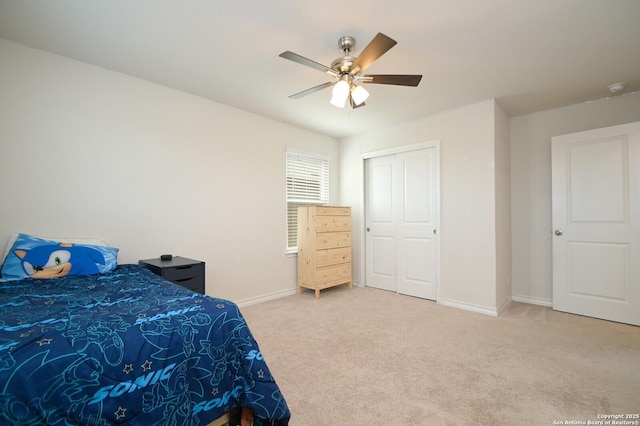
point(467, 136)
point(89, 152)
point(531, 185)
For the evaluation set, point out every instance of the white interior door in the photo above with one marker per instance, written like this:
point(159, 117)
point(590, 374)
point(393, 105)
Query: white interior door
point(401, 219)
point(596, 222)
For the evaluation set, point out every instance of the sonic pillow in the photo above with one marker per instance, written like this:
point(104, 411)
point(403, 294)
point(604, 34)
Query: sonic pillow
point(39, 258)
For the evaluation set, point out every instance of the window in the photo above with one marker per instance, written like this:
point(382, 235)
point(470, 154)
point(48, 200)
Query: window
point(307, 184)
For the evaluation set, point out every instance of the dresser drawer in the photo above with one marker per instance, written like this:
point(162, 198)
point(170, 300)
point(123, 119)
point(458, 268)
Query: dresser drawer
point(333, 240)
point(333, 223)
point(333, 274)
point(177, 273)
point(333, 256)
point(332, 211)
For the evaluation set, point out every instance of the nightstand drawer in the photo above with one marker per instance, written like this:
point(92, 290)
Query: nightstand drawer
point(178, 273)
point(192, 283)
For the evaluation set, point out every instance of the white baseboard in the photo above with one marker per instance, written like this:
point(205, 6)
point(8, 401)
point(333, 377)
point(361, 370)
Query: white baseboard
point(444, 302)
point(533, 300)
point(266, 297)
point(504, 305)
point(273, 296)
point(469, 307)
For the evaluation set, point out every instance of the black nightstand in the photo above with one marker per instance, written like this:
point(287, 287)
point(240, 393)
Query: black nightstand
point(188, 273)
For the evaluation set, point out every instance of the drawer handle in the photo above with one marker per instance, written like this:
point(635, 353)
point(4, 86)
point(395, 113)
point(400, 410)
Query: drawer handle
point(184, 279)
point(184, 267)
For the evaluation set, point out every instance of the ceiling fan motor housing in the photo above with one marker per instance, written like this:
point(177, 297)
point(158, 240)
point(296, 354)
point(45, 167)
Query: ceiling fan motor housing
point(343, 64)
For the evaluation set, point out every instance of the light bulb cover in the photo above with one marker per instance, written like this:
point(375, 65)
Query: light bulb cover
point(340, 93)
point(359, 94)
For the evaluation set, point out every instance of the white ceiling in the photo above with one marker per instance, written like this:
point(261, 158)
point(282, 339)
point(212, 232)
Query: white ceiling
point(531, 55)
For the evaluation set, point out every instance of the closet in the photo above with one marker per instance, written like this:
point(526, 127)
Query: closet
point(402, 207)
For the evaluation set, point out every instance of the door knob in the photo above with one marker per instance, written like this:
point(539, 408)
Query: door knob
point(368, 229)
point(558, 232)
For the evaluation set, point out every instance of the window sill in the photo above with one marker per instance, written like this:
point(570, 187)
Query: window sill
point(291, 253)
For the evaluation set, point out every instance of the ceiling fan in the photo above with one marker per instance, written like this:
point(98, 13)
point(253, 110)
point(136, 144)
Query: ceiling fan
point(347, 71)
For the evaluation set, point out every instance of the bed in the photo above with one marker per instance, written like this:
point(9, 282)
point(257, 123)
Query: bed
point(127, 347)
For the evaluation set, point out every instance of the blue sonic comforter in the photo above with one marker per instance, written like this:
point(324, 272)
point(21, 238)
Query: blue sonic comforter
point(127, 347)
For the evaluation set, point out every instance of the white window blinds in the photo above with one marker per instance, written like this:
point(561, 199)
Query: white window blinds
point(307, 184)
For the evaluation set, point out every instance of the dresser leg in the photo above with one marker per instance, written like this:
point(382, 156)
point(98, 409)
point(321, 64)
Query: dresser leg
point(317, 293)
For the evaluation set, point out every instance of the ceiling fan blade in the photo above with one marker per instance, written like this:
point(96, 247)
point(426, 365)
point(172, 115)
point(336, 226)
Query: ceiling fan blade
point(308, 62)
point(312, 90)
point(395, 79)
point(376, 48)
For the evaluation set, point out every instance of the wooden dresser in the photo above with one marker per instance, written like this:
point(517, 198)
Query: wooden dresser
point(324, 247)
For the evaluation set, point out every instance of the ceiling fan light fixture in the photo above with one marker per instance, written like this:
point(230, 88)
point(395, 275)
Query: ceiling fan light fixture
point(340, 93)
point(359, 94)
point(348, 71)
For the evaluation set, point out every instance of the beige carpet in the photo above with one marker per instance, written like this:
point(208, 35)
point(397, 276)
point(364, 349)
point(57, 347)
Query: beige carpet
point(370, 357)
